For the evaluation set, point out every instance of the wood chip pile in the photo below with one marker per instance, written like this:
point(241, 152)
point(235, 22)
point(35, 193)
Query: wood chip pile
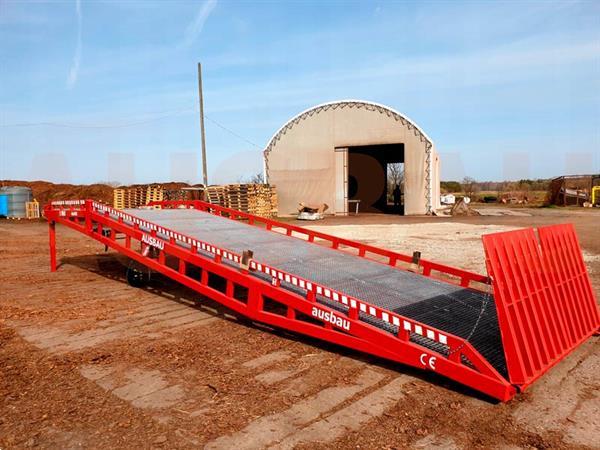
point(175, 194)
point(257, 199)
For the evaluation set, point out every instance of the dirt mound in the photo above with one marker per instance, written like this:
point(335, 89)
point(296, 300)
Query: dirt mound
point(45, 191)
point(169, 185)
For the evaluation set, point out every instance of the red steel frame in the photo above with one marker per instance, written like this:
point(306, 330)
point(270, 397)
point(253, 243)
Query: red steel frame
point(544, 297)
point(426, 267)
point(95, 220)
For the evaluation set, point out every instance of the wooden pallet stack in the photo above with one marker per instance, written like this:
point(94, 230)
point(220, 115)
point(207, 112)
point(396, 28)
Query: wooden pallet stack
point(32, 209)
point(119, 195)
point(129, 197)
point(262, 200)
point(236, 197)
point(257, 199)
point(154, 193)
point(136, 196)
point(216, 195)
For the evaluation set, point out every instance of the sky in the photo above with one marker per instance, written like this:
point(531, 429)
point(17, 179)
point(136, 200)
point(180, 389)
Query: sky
point(107, 91)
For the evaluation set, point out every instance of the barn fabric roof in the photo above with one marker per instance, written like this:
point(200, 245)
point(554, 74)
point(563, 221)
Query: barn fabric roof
point(382, 109)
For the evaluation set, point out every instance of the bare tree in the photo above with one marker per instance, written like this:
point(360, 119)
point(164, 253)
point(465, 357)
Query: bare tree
point(257, 178)
point(470, 187)
point(395, 175)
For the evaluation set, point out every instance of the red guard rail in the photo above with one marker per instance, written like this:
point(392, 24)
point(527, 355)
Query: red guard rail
point(427, 268)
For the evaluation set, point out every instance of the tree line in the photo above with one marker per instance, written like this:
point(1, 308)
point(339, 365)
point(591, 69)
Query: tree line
point(470, 186)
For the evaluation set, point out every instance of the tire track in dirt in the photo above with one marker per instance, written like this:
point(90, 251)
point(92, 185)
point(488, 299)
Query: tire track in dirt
point(268, 430)
point(62, 341)
point(352, 417)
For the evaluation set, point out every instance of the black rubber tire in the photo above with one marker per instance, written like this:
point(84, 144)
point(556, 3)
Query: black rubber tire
point(137, 278)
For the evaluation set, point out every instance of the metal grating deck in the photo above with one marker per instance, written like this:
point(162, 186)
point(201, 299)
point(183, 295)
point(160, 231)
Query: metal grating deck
point(445, 306)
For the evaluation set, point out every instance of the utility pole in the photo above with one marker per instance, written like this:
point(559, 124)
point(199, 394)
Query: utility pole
point(200, 97)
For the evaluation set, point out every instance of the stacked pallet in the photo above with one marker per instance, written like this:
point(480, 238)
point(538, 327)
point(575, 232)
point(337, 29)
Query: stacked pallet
point(32, 209)
point(236, 197)
point(121, 198)
point(257, 199)
point(136, 196)
point(216, 195)
point(154, 193)
point(262, 200)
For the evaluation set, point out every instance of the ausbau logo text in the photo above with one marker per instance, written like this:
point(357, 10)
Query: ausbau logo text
point(331, 318)
point(152, 241)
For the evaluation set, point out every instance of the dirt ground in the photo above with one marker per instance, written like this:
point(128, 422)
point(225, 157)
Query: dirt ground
point(88, 361)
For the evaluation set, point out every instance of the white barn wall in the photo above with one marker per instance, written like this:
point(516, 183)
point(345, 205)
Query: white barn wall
point(302, 162)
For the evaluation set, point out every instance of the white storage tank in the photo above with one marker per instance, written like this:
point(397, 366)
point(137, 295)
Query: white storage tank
point(17, 197)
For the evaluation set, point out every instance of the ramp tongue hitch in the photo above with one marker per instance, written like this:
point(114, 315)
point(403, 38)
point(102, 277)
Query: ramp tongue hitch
point(399, 307)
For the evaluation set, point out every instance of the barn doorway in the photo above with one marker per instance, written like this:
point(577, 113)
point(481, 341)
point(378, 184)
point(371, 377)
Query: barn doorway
point(373, 173)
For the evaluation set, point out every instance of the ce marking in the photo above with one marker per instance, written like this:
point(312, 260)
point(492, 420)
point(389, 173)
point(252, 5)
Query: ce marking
point(428, 360)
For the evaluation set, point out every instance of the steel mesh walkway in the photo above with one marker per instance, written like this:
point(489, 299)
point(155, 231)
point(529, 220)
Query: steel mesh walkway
point(444, 306)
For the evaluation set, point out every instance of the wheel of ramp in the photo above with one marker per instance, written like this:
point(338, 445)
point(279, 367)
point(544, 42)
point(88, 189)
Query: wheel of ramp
point(137, 276)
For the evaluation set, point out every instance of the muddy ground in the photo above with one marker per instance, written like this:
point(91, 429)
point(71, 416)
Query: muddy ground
point(88, 361)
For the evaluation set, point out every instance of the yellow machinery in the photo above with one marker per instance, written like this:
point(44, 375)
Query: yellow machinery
point(596, 195)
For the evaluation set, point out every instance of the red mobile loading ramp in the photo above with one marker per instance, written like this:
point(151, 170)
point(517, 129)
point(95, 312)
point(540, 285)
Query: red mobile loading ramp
point(496, 334)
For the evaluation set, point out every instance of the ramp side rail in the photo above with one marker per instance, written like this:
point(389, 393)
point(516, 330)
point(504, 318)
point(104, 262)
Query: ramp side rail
point(175, 253)
point(427, 268)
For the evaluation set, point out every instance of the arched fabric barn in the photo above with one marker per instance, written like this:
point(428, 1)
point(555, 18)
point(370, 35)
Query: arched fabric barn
point(340, 152)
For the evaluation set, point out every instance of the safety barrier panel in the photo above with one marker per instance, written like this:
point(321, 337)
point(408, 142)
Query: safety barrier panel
point(545, 301)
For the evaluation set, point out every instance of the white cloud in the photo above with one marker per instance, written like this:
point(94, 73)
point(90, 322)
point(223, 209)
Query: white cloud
point(74, 72)
point(196, 26)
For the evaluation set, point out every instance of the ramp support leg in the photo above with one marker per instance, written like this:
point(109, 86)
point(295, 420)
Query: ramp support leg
point(52, 241)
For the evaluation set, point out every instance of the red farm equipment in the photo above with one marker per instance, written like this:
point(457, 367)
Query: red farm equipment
point(495, 333)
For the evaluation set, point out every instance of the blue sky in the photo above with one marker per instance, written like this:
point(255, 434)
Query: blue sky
point(107, 91)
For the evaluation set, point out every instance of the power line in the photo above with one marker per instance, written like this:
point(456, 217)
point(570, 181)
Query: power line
point(98, 126)
point(128, 124)
point(239, 136)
